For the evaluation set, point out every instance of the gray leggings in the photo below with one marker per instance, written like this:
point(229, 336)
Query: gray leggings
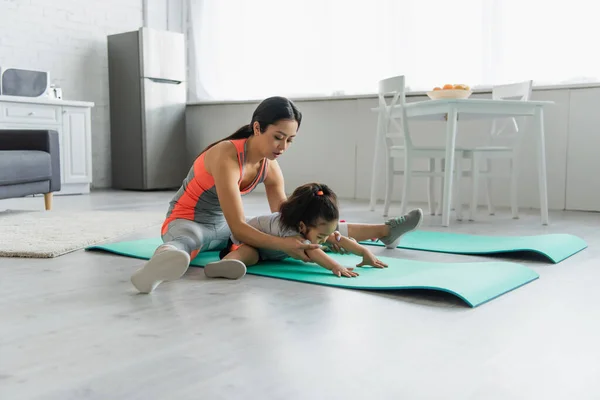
point(193, 237)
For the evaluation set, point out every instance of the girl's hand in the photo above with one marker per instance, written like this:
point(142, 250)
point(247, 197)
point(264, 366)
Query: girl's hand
point(294, 246)
point(370, 259)
point(336, 248)
point(340, 271)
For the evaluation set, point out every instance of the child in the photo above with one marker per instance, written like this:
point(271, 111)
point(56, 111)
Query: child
point(312, 213)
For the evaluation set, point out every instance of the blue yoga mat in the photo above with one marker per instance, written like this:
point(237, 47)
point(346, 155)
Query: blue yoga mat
point(554, 247)
point(473, 282)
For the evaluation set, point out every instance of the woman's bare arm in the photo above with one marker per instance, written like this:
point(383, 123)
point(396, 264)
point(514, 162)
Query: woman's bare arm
point(223, 165)
point(275, 186)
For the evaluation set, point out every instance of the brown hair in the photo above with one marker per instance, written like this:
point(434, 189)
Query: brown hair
point(307, 204)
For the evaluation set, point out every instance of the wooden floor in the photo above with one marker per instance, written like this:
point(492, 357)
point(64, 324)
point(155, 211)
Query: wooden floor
point(73, 327)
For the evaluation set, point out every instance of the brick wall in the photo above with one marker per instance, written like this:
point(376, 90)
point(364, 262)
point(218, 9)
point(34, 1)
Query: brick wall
point(68, 38)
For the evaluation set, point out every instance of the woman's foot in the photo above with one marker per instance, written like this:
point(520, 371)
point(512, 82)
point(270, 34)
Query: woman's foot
point(228, 268)
point(400, 225)
point(167, 264)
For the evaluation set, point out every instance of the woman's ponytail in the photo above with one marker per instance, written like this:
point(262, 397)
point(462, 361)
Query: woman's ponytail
point(242, 133)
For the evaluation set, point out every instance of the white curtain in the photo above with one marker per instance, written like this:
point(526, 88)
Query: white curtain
point(251, 49)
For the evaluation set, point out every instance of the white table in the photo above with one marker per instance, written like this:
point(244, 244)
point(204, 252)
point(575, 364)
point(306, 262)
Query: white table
point(473, 109)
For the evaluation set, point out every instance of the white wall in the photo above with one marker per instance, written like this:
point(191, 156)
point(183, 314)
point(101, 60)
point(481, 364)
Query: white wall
point(335, 145)
point(583, 167)
point(167, 15)
point(68, 38)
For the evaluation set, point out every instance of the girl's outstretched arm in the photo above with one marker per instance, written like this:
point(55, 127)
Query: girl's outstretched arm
point(357, 249)
point(322, 259)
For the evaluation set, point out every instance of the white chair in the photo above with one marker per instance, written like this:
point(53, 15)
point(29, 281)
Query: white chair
point(477, 155)
point(398, 144)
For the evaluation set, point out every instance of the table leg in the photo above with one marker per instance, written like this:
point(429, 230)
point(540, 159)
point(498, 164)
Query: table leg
point(450, 145)
point(378, 144)
point(543, 184)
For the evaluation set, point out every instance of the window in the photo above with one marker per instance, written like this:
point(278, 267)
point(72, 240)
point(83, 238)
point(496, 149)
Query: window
point(242, 50)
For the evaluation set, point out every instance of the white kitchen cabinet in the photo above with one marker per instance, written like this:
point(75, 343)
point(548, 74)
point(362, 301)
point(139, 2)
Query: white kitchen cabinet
point(76, 136)
point(72, 121)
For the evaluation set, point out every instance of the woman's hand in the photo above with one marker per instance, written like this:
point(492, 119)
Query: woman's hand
point(370, 259)
point(294, 246)
point(340, 271)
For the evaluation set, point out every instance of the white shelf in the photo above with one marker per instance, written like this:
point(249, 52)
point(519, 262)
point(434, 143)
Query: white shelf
point(46, 101)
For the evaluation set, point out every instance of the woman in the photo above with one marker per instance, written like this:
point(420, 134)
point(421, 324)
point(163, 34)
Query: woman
point(208, 208)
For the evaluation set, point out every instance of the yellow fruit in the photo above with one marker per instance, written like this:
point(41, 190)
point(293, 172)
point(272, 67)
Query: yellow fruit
point(461, 86)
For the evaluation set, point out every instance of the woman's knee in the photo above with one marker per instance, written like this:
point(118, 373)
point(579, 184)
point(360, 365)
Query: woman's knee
point(187, 235)
point(186, 244)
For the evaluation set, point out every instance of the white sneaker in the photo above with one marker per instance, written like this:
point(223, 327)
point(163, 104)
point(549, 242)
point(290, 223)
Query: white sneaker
point(228, 268)
point(167, 264)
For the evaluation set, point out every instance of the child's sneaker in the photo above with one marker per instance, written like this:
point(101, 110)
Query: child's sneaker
point(167, 264)
point(227, 268)
point(400, 225)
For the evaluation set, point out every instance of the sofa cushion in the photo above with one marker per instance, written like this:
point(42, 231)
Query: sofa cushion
point(23, 166)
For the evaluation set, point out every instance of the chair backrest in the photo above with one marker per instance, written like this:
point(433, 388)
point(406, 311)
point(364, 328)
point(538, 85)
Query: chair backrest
point(518, 91)
point(397, 126)
point(512, 91)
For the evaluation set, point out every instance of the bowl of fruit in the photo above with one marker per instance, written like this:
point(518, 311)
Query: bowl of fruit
point(450, 91)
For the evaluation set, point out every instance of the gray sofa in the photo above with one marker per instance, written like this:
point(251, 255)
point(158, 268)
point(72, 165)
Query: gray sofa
point(29, 164)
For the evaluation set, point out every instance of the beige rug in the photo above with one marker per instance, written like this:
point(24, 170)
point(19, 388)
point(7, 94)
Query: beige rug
point(47, 234)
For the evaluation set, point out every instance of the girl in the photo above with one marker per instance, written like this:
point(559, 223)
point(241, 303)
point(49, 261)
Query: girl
point(311, 213)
